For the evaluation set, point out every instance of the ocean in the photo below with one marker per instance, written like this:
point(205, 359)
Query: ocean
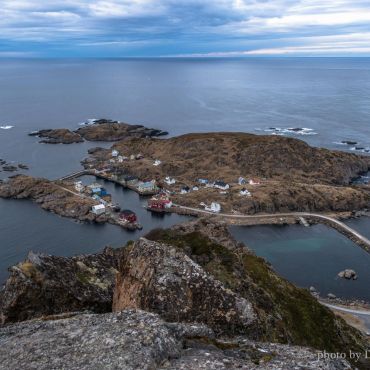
point(323, 101)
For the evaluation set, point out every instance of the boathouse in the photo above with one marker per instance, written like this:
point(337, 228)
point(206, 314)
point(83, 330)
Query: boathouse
point(128, 216)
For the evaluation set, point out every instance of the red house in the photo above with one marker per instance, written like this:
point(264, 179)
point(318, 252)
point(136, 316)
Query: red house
point(159, 204)
point(128, 216)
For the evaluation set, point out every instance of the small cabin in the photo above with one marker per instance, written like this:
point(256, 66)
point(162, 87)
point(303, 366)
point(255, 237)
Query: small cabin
point(203, 181)
point(128, 215)
point(221, 185)
point(146, 186)
point(115, 153)
point(195, 188)
point(242, 181)
point(157, 162)
point(78, 186)
point(245, 192)
point(169, 181)
point(159, 203)
point(254, 182)
point(185, 190)
point(215, 207)
point(99, 209)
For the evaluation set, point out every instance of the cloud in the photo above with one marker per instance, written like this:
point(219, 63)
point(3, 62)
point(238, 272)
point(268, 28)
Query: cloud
point(191, 27)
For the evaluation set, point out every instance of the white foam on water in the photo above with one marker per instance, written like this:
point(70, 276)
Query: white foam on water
point(6, 127)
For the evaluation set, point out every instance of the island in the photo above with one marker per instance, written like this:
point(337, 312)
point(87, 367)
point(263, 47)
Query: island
point(96, 130)
point(231, 309)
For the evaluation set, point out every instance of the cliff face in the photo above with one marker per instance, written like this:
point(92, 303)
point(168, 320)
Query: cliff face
point(139, 340)
point(154, 272)
point(47, 285)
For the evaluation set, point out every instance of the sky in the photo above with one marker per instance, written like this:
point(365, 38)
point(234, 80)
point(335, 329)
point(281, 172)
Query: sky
point(188, 28)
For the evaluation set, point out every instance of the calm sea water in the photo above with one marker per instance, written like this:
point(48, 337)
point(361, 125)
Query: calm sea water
point(331, 97)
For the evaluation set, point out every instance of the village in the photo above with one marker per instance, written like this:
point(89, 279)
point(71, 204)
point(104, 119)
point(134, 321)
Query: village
point(160, 190)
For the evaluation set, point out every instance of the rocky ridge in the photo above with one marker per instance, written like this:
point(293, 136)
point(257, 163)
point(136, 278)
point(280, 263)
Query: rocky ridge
point(97, 130)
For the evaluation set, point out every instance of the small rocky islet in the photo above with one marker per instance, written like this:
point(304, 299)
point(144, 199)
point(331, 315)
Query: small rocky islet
point(96, 130)
point(232, 311)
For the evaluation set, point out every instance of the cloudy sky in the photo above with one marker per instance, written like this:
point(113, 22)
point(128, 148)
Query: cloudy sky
point(120, 28)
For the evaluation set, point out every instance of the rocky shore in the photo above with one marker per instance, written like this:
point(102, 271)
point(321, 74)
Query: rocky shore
point(98, 130)
point(53, 197)
point(189, 297)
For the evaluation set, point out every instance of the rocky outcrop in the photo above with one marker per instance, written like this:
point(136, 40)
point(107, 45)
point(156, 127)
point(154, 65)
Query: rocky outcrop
point(51, 197)
point(108, 130)
point(154, 273)
point(348, 274)
point(140, 340)
point(58, 136)
point(98, 130)
point(48, 285)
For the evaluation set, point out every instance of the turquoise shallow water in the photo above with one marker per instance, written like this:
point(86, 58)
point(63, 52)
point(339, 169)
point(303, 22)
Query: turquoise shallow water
point(311, 256)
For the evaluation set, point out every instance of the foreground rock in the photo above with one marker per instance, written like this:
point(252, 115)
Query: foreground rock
point(46, 285)
point(50, 196)
point(98, 130)
point(154, 272)
point(140, 340)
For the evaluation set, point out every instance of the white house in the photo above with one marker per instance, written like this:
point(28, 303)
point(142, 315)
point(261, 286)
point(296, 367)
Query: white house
point(157, 162)
point(221, 185)
point(120, 159)
point(245, 192)
point(254, 182)
point(215, 207)
point(132, 157)
point(195, 188)
point(169, 181)
point(98, 209)
point(185, 190)
point(115, 153)
point(78, 186)
point(242, 181)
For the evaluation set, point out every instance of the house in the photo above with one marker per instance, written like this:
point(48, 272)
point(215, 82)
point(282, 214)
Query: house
point(115, 153)
point(242, 181)
point(159, 203)
point(215, 207)
point(203, 181)
point(185, 190)
point(120, 159)
point(132, 157)
point(78, 186)
point(99, 209)
point(169, 181)
point(129, 216)
point(157, 162)
point(130, 180)
point(139, 156)
point(221, 185)
point(254, 182)
point(246, 192)
point(195, 188)
point(101, 192)
point(146, 186)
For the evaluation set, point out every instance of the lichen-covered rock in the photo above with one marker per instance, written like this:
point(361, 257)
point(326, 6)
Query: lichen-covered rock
point(139, 340)
point(162, 279)
point(46, 285)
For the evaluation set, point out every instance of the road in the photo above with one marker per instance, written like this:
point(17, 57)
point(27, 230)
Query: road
point(340, 226)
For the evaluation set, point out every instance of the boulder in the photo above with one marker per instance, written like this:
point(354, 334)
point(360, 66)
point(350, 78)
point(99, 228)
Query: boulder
point(160, 278)
point(348, 274)
point(46, 285)
point(140, 340)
